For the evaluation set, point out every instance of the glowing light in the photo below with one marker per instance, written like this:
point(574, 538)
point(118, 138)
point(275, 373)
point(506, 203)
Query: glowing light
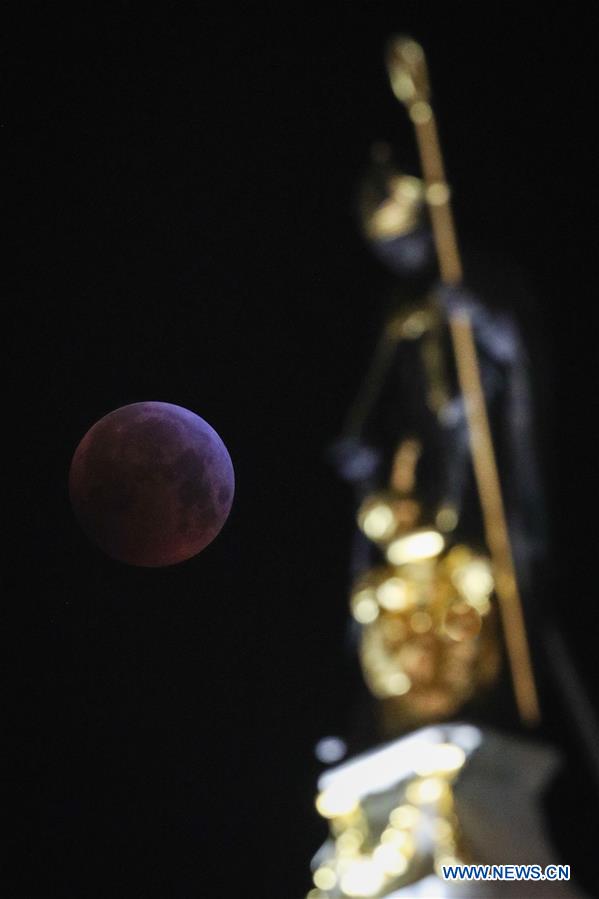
point(444, 758)
point(427, 791)
point(416, 324)
point(405, 817)
point(364, 606)
point(415, 546)
point(325, 878)
point(406, 186)
point(442, 830)
point(337, 801)
point(363, 878)
point(382, 769)
point(398, 683)
point(390, 860)
point(378, 522)
point(399, 839)
point(349, 842)
point(475, 582)
point(437, 194)
point(391, 219)
point(392, 594)
point(403, 86)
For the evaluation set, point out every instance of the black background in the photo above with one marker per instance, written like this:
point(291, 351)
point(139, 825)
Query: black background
point(181, 229)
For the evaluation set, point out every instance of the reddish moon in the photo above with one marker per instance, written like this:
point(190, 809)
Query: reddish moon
point(151, 484)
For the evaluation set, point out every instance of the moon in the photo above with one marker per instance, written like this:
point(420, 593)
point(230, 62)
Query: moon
point(151, 484)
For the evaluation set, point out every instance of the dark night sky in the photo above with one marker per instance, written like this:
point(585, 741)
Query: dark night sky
point(180, 229)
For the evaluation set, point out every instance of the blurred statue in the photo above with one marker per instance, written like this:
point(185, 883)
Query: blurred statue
point(449, 536)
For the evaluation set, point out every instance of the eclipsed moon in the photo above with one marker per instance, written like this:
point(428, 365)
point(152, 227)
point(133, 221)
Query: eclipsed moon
point(151, 484)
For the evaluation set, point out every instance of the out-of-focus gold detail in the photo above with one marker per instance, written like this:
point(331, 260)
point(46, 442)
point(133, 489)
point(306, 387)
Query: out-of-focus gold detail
point(421, 112)
point(420, 322)
point(440, 759)
point(427, 790)
point(408, 75)
point(496, 530)
point(384, 586)
point(404, 817)
point(473, 578)
point(391, 203)
point(324, 878)
point(407, 70)
point(378, 520)
point(410, 325)
point(385, 853)
point(390, 858)
point(406, 65)
point(364, 606)
point(431, 640)
point(399, 839)
point(363, 877)
point(349, 841)
point(428, 640)
point(386, 514)
point(421, 622)
point(403, 469)
point(391, 513)
point(336, 804)
point(392, 594)
point(437, 194)
point(397, 213)
point(425, 543)
point(462, 622)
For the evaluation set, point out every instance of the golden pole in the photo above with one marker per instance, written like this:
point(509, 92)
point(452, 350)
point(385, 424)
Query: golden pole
point(407, 68)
